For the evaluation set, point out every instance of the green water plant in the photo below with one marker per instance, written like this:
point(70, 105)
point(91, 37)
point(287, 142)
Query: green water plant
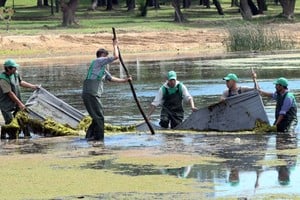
point(49, 127)
point(263, 127)
point(87, 120)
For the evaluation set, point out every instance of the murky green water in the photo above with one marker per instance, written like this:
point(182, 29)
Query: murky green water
point(255, 164)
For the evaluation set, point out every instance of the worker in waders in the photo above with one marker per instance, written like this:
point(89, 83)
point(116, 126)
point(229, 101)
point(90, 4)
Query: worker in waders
point(93, 88)
point(171, 96)
point(233, 88)
point(10, 95)
point(286, 106)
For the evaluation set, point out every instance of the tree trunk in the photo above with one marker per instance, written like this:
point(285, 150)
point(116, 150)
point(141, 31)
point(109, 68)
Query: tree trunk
point(245, 10)
point(186, 3)
point(39, 3)
point(234, 3)
point(151, 3)
point(109, 5)
point(288, 7)
point(101, 3)
point(52, 7)
point(156, 4)
point(219, 7)
point(253, 7)
point(178, 14)
point(2, 3)
point(56, 6)
point(206, 3)
point(46, 3)
point(262, 6)
point(130, 5)
point(68, 10)
point(94, 4)
point(57, 3)
point(115, 2)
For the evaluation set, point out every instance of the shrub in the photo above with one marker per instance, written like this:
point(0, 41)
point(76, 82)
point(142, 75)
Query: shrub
point(256, 38)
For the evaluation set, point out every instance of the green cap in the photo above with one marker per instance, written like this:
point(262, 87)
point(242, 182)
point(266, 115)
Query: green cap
point(172, 75)
point(231, 77)
point(11, 63)
point(281, 81)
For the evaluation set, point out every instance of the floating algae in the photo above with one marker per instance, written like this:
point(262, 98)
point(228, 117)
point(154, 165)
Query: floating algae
point(21, 122)
point(50, 127)
point(12, 129)
point(263, 127)
point(86, 121)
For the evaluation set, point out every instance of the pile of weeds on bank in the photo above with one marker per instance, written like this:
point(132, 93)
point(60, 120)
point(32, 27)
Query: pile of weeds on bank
point(251, 37)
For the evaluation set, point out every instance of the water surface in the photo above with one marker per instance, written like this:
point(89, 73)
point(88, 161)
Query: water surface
point(250, 167)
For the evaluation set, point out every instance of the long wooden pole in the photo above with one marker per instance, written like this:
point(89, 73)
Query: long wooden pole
point(254, 79)
point(132, 88)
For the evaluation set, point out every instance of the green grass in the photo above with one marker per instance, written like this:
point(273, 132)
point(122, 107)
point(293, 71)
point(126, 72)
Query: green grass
point(243, 35)
point(29, 19)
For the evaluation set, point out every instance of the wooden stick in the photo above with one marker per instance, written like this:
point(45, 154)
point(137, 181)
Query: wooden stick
point(254, 79)
point(132, 88)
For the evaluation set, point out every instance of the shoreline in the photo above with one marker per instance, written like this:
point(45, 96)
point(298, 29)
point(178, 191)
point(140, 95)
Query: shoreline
point(45, 61)
point(57, 49)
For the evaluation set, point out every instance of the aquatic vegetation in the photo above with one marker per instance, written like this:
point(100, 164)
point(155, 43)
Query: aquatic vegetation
point(11, 129)
point(112, 128)
point(87, 120)
point(166, 160)
point(84, 123)
point(271, 163)
point(263, 127)
point(50, 127)
point(56, 129)
point(48, 176)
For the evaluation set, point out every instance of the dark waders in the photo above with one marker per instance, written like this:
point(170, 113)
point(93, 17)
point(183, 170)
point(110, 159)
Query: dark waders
point(290, 121)
point(9, 109)
point(172, 110)
point(91, 100)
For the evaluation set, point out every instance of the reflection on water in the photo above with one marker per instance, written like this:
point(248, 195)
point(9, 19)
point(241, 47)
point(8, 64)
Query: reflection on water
point(241, 175)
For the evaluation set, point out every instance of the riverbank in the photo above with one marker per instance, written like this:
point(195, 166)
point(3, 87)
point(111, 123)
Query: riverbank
point(157, 45)
point(54, 48)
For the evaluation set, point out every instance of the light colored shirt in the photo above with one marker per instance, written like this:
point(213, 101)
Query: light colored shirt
point(97, 66)
point(238, 90)
point(158, 100)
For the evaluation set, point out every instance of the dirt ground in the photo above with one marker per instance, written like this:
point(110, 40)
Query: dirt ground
point(156, 45)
